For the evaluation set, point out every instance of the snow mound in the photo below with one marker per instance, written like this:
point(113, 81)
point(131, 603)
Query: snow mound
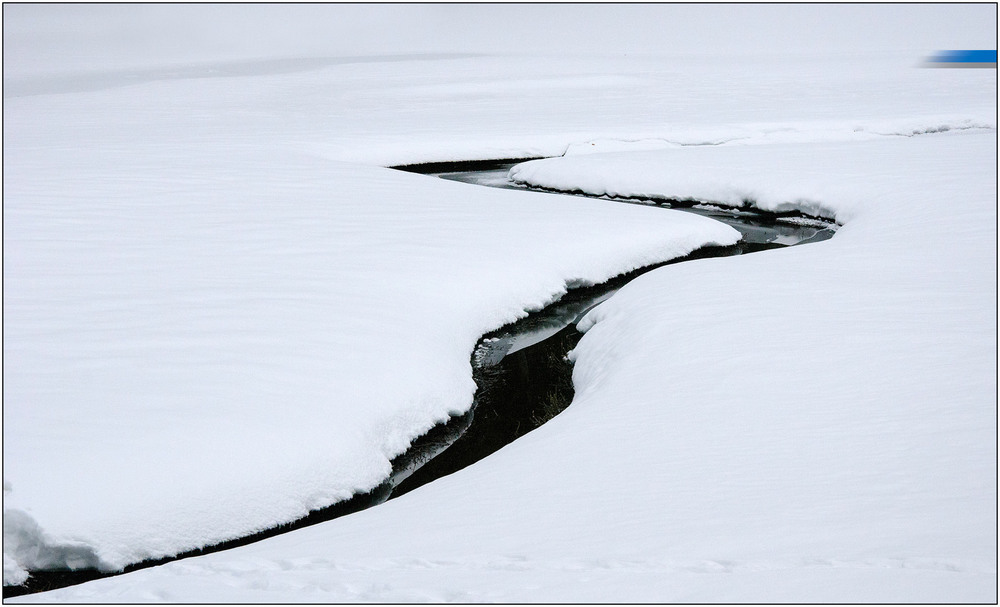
point(775, 178)
point(28, 548)
point(201, 344)
point(807, 425)
point(13, 573)
point(219, 315)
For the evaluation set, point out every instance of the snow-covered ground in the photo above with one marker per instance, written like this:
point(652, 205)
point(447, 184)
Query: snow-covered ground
point(220, 311)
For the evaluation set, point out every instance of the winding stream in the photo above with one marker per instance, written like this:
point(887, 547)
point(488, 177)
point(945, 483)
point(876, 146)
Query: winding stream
point(521, 371)
point(522, 375)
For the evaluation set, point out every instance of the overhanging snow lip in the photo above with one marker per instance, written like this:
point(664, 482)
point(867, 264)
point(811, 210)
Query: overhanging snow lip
point(448, 166)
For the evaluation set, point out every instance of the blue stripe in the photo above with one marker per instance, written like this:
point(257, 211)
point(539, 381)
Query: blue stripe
point(965, 57)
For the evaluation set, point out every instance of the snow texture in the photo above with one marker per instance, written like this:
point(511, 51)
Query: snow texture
point(212, 345)
point(727, 174)
point(221, 312)
point(806, 425)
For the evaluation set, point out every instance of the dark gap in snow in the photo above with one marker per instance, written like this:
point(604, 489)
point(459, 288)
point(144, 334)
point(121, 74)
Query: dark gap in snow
point(493, 173)
point(756, 225)
point(521, 371)
point(41, 581)
point(456, 166)
point(692, 205)
point(521, 384)
point(521, 388)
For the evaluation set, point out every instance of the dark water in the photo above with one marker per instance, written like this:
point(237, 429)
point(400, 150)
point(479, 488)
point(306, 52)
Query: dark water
point(786, 228)
point(522, 375)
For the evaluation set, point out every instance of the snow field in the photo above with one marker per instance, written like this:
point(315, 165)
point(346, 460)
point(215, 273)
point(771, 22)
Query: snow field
point(806, 425)
point(193, 357)
point(219, 314)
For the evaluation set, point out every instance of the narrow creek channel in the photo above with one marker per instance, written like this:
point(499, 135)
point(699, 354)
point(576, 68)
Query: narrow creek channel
point(522, 375)
point(521, 370)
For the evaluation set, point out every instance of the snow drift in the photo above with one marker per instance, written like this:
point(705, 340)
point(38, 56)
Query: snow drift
point(219, 312)
point(813, 424)
point(202, 347)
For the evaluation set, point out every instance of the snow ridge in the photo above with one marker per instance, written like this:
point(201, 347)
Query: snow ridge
point(274, 317)
point(27, 547)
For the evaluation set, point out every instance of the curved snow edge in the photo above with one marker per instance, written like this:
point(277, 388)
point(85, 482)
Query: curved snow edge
point(531, 175)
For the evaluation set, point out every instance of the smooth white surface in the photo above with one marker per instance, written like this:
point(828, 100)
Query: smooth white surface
point(206, 356)
point(813, 424)
point(218, 312)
